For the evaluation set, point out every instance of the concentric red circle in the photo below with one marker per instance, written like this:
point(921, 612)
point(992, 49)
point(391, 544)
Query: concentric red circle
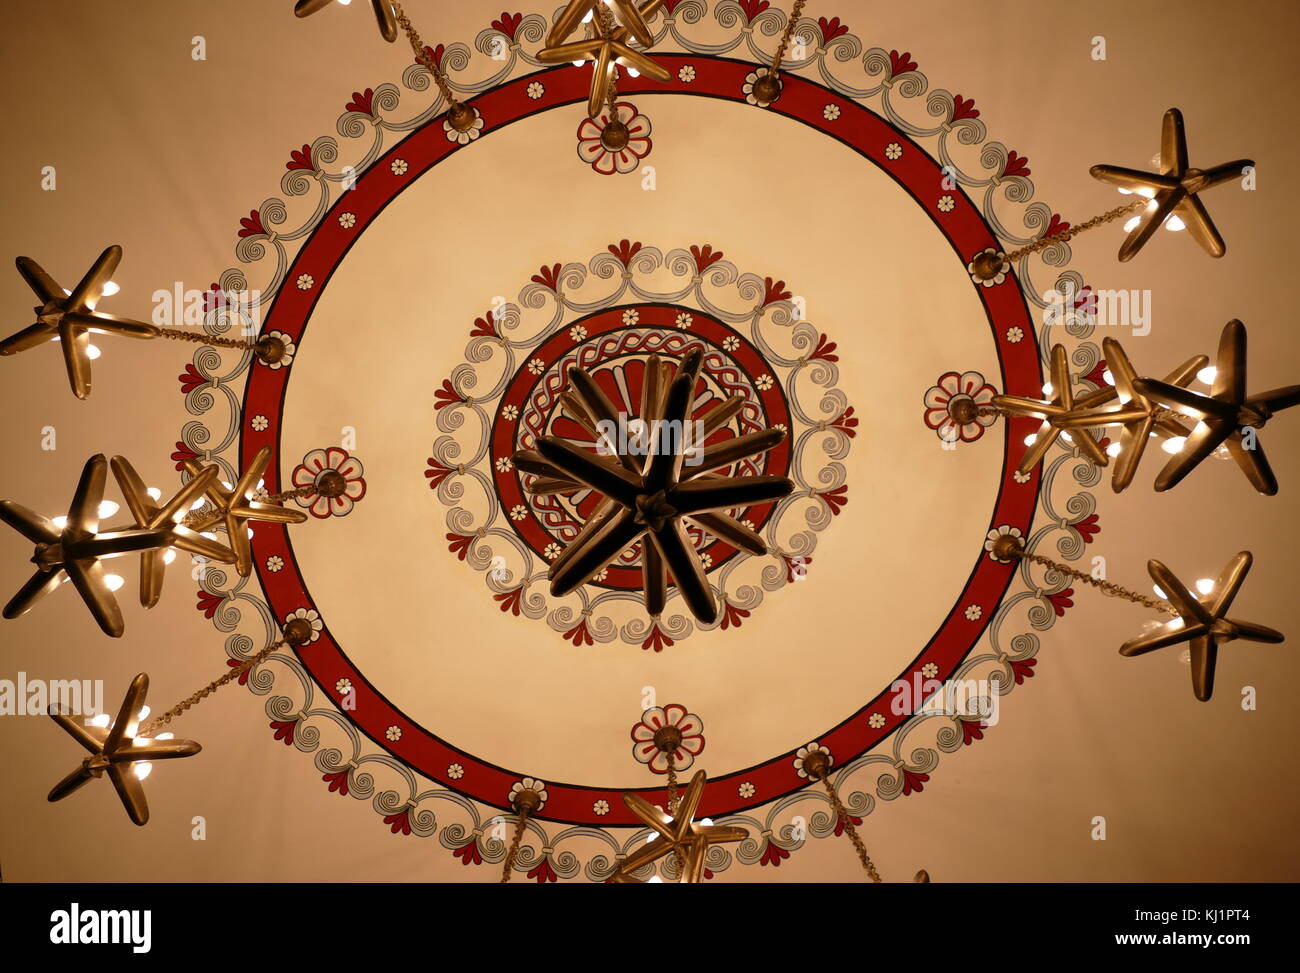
point(804, 101)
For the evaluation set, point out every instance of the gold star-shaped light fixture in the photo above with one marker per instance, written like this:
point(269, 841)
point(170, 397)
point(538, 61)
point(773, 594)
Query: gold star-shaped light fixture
point(680, 834)
point(1175, 190)
point(1055, 412)
point(233, 509)
point(150, 516)
point(385, 13)
point(75, 550)
point(650, 499)
point(1201, 621)
point(70, 317)
point(1224, 414)
point(1140, 416)
point(608, 46)
point(116, 749)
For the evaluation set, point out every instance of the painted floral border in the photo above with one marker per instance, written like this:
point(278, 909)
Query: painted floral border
point(893, 87)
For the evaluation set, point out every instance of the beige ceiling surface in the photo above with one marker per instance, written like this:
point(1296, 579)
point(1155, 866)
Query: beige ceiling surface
point(163, 155)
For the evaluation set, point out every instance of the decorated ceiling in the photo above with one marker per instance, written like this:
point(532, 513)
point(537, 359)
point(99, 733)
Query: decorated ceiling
point(853, 283)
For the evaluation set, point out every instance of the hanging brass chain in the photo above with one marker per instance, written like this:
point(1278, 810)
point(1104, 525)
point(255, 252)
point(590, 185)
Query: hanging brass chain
point(509, 863)
point(867, 864)
point(423, 58)
point(1105, 587)
point(199, 338)
point(790, 26)
point(196, 516)
point(1042, 243)
point(151, 728)
point(607, 28)
point(672, 804)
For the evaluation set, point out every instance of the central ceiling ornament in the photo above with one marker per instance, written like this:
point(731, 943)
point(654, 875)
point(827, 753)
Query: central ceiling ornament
point(647, 498)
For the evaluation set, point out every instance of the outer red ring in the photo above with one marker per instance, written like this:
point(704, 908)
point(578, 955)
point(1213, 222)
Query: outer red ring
point(801, 100)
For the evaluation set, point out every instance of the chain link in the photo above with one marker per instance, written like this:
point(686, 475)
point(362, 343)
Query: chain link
point(199, 338)
point(151, 728)
point(424, 58)
point(1105, 587)
point(867, 864)
point(509, 863)
point(1042, 243)
point(672, 805)
point(196, 516)
point(790, 26)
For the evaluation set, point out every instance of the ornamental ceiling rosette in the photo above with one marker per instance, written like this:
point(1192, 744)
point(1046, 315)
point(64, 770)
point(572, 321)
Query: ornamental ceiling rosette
point(436, 421)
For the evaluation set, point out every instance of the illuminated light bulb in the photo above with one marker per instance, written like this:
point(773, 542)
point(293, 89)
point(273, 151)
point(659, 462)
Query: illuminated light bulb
point(1047, 389)
point(114, 581)
point(1207, 374)
point(166, 736)
point(110, 289)
point(209, 535)
point(250, 533)
point(590, 14)
point(1108, 377)
point(101, 721)
point(707, 822)
point(1146, 191)
point(578, 64)
point(1066, 437)
point(1128, 227)
point(228, 486)
point(1124, 398)
point(60, 522)
point(1205, 585)
point(1201, 427)
point(169, 555)
point(1174, 444)
point(144, 712)
point(345, 2)
point(143, 770)
point(93, 352)
point(107, 508)
point(1159, 591)
point(655, 880)
point(1113, 450)
point(1031, 439)
point(633, 72)
point(1126, 192)
point(1174, 223)
point(154, 493)
point(197, 504)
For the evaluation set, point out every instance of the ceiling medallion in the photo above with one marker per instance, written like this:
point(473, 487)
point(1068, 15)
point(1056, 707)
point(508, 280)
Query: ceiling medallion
point(607, 360)
point(652, 302)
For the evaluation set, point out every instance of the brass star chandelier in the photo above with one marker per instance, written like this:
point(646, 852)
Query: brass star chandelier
point(649, 498)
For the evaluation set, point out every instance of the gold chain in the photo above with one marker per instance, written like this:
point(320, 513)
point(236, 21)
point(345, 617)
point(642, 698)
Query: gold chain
point(850, 830)
point(1065, 235)
point(514, 847)
point(196, 516)
point(417, 46)
point(151, 728)
point(672, 804)
point(607, 27)
point(177, 334)
point(790, 26)
point(1105, 587)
